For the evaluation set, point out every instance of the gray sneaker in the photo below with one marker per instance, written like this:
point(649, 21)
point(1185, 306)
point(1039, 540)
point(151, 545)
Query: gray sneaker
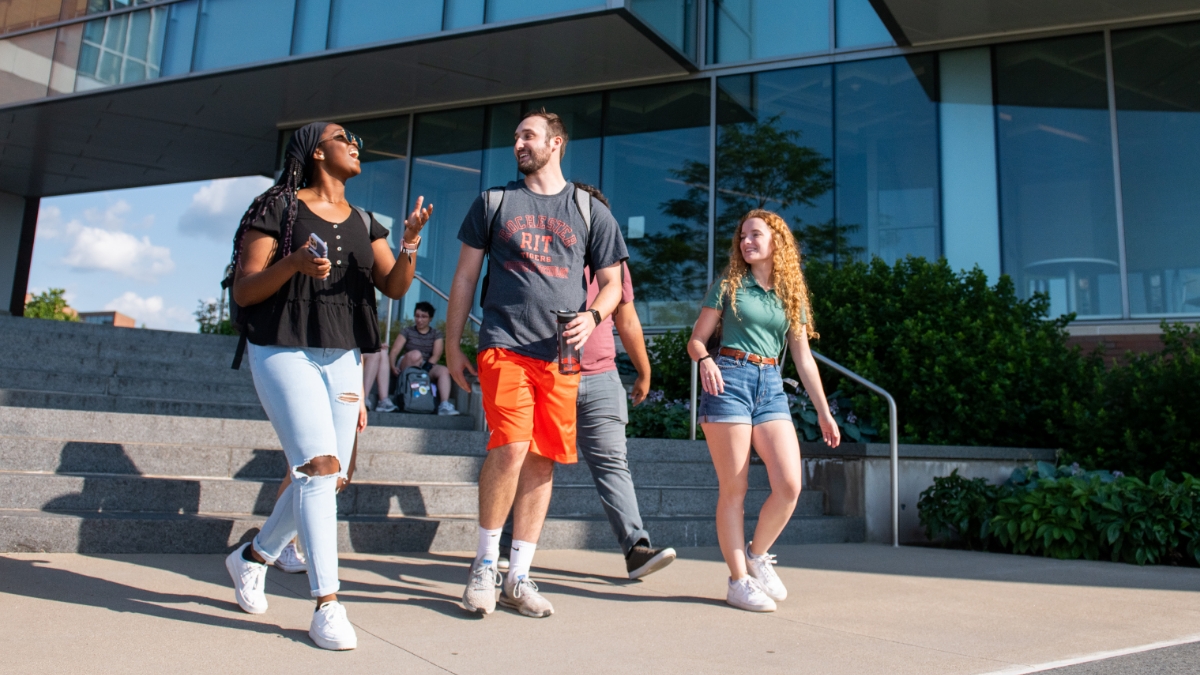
point(480, 596)
point(523, 596)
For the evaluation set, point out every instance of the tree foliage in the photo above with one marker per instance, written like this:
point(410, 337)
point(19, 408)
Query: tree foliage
point(50, 305)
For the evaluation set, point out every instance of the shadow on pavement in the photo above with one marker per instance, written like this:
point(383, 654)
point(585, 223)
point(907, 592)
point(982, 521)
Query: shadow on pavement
point(34, 579)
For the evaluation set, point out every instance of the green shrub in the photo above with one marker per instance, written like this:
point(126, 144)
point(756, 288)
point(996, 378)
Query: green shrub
point(968, 363)
point(659, 417)
point(853, 428)
point(670, 365)
point(1069, 513)
point(50, 305)
point(958, 509)
point(1140, 415)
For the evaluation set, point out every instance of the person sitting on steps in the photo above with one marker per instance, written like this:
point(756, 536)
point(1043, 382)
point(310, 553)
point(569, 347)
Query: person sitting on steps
point(424, 344)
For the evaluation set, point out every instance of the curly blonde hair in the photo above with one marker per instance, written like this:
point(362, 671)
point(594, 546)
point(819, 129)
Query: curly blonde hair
point(787, 278)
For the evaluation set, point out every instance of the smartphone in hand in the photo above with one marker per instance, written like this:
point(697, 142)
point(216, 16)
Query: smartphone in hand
point(317, 246)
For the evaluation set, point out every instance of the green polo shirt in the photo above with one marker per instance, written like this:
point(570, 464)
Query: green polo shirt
point(760, 324)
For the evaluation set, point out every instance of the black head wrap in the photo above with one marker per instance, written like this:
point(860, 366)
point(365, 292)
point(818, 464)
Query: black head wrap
point(297, 169)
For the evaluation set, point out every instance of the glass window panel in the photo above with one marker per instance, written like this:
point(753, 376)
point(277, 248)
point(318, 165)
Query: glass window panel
point(111, 50)
point(311, 30)
point(507, 10)
point(447, 168)
point(463, 13)
point(774, 151)
point(22, 14)
point(499, 163)
point(380, 186)
point(181, 35)
point(674, 19)
point(655, 149)
point(233, 32)
point(888, 202)
point(356, 22)
point(858, 25)
point(582, 116)
point(740, 30)
point(1057, 204)
point(139, 36)
point(1158, 114)
point(135, 71)
point(109, 71)
point(25, 66)
point(89, 60)
point(114, 33)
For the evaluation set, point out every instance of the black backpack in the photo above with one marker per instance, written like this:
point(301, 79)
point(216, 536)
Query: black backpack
point(237, 313)
point(494, 197)
point(416, 391)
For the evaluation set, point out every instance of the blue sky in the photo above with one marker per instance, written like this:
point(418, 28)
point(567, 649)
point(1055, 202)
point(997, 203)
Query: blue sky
point(151, 253)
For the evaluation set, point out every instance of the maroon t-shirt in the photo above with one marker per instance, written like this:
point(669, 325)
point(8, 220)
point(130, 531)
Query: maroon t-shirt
point(600, 352)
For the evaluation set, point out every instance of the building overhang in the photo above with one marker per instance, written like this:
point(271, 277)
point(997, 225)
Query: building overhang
point(922, 22)
point(225, 123)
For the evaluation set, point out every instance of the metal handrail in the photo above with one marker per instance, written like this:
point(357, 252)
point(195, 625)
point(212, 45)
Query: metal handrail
point(441, 294)
point(893, 429)
point(893, 433)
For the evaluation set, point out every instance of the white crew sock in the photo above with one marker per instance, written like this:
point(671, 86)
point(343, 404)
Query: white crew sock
point(489, 546)
point(520, 559)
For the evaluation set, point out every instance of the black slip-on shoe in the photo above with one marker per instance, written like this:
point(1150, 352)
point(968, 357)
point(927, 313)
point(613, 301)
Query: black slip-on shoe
point(643, 560)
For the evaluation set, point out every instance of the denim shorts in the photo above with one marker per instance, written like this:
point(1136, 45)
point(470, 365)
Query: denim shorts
point(753, 394)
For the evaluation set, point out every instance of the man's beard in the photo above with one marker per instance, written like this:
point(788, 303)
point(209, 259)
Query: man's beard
point(535, 162)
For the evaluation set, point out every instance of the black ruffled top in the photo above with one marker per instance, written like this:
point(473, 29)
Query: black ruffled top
point(338, 312)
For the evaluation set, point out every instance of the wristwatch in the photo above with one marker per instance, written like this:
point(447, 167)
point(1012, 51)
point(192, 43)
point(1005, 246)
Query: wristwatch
point(596, 316)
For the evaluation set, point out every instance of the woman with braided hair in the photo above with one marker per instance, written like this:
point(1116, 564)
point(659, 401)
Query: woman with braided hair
point(762, 304)
point(306, 267)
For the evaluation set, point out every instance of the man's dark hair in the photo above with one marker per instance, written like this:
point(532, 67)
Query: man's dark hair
point(423, 306)
point(594, 192)
point(554, 127)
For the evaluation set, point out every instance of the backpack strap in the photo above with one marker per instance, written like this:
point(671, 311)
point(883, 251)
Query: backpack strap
point(583, 200)
point(239, 353)
point(366, 218)
point(492, 199)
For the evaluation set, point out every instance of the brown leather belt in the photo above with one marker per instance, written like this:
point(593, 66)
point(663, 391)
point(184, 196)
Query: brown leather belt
point(752, 358)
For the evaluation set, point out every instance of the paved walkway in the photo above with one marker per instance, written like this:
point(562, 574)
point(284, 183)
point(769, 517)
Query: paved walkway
point(854, 608)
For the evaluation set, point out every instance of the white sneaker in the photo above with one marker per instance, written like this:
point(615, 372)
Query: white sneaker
point(291, 560)
point(331, 629)
point(761, 569)
point(480, 595)
point(385, 405)
point(249, 581)
point(745, 593)
point(447, 408)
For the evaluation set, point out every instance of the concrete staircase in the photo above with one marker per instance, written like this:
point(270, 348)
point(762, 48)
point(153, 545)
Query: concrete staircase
point(79, 366)
point(129, 441)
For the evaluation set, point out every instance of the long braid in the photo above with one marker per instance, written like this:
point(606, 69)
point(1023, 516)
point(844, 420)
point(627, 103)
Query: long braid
point(289, 183)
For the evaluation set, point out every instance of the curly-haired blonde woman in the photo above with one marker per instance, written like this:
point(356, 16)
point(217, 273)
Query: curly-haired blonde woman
point(761, 302)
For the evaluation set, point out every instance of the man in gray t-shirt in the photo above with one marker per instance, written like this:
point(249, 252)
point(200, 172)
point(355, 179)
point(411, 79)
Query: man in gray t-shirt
point(537, 246)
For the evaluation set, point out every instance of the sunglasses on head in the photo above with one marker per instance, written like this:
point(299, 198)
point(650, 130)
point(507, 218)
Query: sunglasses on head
point(347, 138)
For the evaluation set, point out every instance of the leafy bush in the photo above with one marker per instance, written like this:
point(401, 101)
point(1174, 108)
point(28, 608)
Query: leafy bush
point(1140, 415)
point(968, 363)
point(660, 417)
point(671, 367)
point(1069, 513)
point(804, 417)
point(958, 509)
point(50, 305)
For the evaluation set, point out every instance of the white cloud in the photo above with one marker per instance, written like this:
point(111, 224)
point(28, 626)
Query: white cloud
point(152, 312)
point(118, 252)
point(50, 223)
point(217, 206)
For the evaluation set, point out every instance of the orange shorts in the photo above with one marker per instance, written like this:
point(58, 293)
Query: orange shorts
point(527, 399)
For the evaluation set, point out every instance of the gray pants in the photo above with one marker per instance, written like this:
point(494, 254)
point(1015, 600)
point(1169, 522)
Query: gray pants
point(601, 414)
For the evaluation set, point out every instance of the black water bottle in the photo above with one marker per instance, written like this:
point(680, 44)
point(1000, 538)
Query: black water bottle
point(569, 356)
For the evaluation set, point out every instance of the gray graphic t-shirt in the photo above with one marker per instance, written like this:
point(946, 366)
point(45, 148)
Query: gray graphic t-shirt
point(536, 264)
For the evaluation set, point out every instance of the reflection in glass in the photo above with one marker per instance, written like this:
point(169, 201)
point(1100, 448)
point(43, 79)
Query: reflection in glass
point(1057, 204)
point(446, 170)
point(114, 50)
point(674, 19)
point(24, 14)
point(233, 32)
point(654, 138)
point(1158, 114)
point(499, 162)
point(581, 115)
point(858, 25)
point(181, 36)
point(311, 30)
point(774, 151)
point(887, 156)
point(25, 70)
point(740, 30)
point(356, 22)
point(507, 10)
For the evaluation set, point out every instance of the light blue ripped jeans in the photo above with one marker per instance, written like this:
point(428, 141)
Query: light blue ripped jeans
point(312, 398)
